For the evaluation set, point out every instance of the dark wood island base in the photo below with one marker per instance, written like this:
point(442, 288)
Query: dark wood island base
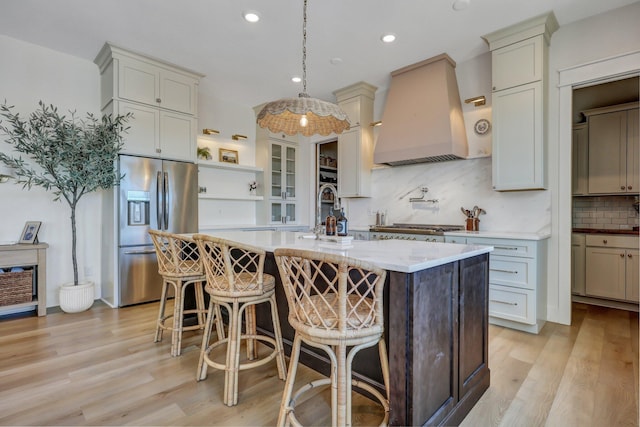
point(436, 330)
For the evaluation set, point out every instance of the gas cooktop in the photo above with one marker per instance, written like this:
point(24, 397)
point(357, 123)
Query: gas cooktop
point(415, 228)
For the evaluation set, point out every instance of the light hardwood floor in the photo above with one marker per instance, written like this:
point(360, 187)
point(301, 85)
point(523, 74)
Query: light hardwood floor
point(101, 367)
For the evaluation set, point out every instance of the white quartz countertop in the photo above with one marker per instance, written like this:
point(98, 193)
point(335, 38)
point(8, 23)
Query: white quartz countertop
point(395, 255)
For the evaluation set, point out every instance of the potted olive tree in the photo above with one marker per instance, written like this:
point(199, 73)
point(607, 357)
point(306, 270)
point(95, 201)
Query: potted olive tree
point(69, 156)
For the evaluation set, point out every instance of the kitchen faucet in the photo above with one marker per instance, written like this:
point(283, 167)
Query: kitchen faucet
point(336, 206)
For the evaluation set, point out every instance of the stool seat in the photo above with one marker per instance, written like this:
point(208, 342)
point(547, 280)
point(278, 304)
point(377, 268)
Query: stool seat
point(335, 304)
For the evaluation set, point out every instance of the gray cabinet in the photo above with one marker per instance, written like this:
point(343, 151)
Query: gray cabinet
point(519, 56)
point(578, 263)
point(614, 150)
point(517, 291)
point(612, 267)
point(580, 159)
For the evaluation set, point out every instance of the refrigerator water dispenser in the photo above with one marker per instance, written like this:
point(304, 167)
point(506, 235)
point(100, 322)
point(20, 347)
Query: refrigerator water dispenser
point(138, 207)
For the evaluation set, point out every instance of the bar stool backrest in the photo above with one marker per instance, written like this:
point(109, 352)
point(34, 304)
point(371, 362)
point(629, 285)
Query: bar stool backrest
point(177, 254)
point(231, 268)
point(331, 294)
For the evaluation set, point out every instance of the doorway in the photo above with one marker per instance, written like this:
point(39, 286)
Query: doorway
point(609, 69)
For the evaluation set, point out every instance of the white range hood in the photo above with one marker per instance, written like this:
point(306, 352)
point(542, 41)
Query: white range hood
point(422, 120)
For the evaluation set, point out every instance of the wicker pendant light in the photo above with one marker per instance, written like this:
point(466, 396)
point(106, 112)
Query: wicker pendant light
point(305, 115)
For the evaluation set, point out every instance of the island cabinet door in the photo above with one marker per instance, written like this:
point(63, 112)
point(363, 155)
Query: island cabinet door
point(423, 345)
point(474, 326)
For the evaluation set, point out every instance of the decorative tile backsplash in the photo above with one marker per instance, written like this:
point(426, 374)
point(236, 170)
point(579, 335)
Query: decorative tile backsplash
point(605, 212)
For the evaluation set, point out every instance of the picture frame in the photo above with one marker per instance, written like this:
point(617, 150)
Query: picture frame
point(30, 232)
point(228, 156)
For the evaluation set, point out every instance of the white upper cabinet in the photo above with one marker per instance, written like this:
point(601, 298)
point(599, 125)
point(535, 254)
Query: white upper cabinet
point(519, 62)
point(355, 146)
point(162, 97)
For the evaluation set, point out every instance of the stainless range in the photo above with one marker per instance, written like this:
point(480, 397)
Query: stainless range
point(420, 232)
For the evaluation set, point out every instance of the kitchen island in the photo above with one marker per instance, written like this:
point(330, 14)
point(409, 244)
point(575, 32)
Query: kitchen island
point(436, 321)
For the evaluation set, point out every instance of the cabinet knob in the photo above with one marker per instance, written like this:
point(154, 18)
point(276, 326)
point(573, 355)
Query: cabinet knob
point(622, 187)
point(158, 100)
point(630, 256)
point(629, 188)
point(621, 255)
point(158, 150)
point(604, 241)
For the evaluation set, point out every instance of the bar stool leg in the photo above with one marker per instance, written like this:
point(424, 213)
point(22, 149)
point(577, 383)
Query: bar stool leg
point(200, 303)
point(282, 366)
point(233, 357)
point(250, 316)
point(202, 366)
point(384, 363)
point(163, 304)
point(291, 379)
point(342, 387)
point(178, 314)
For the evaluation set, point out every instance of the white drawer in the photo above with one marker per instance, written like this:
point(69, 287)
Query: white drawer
point(612, 241)
point(513, 304)
point(512, 271)
point(508, 247)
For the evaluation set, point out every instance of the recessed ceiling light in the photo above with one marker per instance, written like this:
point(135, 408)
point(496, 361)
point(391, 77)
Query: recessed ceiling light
point(296, 79)
point(388, 38)
point(460, 5)
point(251, 16)
point(336, 61)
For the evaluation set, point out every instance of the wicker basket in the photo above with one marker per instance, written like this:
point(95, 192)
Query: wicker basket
point(16, 288)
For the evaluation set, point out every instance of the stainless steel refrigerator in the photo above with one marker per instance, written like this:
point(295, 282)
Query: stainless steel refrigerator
point(154, 194)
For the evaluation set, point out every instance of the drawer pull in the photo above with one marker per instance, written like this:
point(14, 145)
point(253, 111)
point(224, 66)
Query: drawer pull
point(503, 271)
point(506, 248)
point(504, 302)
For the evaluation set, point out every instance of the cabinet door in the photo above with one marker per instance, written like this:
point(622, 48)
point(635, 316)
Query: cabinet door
point(578, 268)
point(580, 164)
point(142, 137)
point(348, 156)
point(289, 172)
point(138, 81)
point(517, 64)
point(177, 136)
point(633, 279)
point(177, 92)
point(283, 212)
point(518, 138)
point(605, 272)
point(354, 163)
point(633, 152)
point(607, 152)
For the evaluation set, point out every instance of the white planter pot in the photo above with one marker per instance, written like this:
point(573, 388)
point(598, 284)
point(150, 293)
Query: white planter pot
point(74, 299)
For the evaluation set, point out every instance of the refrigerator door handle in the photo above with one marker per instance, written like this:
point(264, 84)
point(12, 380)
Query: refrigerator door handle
point(165, 193)
point(141, 252)
point(158, 204)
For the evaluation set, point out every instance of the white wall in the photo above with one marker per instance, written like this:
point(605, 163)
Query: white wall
point(28, 74)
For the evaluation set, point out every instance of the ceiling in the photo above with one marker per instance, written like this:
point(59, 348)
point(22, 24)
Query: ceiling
point(253, 63)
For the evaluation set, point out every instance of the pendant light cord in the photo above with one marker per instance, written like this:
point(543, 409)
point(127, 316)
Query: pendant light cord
point(304, 51)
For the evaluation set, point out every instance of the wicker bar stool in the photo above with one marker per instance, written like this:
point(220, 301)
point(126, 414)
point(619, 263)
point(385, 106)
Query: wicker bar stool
point(236, 281)
point(335, 302)
point(180, 266)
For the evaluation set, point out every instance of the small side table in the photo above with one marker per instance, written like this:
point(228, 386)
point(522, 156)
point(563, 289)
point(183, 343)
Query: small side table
point(25, 255)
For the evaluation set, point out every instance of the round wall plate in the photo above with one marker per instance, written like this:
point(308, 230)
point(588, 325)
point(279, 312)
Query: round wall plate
point(482, 126)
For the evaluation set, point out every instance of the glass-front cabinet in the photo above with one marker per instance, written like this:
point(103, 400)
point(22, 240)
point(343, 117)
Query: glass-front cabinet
point(280, 181)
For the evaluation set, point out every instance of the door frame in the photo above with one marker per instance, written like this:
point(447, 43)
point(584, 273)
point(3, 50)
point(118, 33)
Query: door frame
point(595, 72)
